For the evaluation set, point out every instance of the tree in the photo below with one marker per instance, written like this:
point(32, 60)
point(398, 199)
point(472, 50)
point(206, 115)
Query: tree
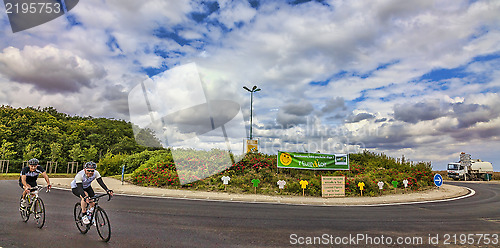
point(76, 152)
point(5, 132)
point(6, 150)
point(90, 153)
point(30, 151)
point(55, 151)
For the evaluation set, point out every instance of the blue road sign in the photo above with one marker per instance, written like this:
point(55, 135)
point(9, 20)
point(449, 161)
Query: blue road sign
point(123, 172)
point(438, 180)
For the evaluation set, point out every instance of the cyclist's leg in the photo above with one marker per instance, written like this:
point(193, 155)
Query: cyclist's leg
point(83, 204)
point(90, 193)
point(22, 187)
point(31, 184)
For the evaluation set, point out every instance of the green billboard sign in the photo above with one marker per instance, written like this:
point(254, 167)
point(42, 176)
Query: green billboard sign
point(313, 161)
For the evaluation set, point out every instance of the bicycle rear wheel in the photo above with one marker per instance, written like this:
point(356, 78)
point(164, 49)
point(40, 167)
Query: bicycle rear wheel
point(39, 213)
point(102, 223)
point(77, 213)
point(25, 214)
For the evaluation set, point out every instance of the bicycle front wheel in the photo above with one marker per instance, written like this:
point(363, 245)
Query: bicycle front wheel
point(102, 223)
point(77, 213)
point(25, 214)
point(39, 213)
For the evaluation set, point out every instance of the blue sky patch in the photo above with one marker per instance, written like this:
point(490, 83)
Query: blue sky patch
point(163, 33)
point(210, 8)
point(346, 74)
point(152, 71)
point(459, 72)
point(72, 20)
point(112, 43)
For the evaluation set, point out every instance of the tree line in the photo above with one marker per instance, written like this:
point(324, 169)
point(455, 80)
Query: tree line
point(49, 135)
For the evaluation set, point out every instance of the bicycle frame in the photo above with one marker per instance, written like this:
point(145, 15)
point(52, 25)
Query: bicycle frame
point(32, 196)
point(31, 206)
point(102, 223)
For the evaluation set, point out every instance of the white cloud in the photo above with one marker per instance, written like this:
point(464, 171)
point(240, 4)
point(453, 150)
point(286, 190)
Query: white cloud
point(48, 69)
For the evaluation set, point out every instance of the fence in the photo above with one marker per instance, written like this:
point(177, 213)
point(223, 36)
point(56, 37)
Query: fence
point(4, 164)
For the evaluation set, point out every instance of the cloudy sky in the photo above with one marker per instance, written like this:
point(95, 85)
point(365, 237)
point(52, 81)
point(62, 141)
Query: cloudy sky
point(413, 78)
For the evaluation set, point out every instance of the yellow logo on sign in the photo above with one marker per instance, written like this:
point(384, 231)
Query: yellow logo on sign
point(285, 158)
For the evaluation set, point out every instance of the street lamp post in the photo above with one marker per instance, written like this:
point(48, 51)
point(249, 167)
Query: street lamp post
point(254, 89)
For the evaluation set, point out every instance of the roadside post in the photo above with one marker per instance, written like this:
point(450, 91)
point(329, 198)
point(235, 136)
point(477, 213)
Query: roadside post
point(225, 181)
point(303, 184)
point(438, 180)
point(361, 185)
point(123, 173)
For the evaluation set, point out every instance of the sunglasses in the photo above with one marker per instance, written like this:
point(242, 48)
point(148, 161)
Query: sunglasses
point(90, 170)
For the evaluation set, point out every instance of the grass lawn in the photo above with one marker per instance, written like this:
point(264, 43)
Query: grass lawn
point(15, 176)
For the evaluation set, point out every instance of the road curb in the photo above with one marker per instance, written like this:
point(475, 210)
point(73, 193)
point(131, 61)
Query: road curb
point(445, 193)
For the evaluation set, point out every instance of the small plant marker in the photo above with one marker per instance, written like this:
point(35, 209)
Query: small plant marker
point(281, 184)
point(380, 186)
point(255, 184)
point(303, 184)
point(395, 184)
point(225, 181)
point(405, 182)
point(361, 185)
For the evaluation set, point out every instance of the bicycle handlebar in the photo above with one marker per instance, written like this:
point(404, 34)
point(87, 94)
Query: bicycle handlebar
point(96, 197)
point(38, 188)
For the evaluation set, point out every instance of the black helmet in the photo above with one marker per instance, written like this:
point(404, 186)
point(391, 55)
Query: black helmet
point(90, 165)
point(33, 161)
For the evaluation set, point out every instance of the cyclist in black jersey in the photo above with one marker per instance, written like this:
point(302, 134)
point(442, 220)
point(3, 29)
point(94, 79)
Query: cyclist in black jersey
point(29, 175)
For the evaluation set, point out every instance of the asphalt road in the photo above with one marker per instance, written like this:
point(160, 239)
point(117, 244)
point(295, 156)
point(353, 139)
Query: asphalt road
point(156, 222)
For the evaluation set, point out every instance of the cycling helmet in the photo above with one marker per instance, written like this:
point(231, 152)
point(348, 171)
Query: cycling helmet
point(90, 165)
point(33, 161)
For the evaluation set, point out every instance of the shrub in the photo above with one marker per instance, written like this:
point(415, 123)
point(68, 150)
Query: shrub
point(365, 167)
point(111, 164)
point(134, 161)
point(161, 174)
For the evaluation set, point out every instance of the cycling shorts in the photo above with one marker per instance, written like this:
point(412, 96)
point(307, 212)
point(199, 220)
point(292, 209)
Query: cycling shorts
point(32, 184)
point(89, 191)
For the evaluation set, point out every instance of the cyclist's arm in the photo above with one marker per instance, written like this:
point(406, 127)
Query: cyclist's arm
point(44, 174)
point(102, 184)
point(79, 190)
point(23, 181)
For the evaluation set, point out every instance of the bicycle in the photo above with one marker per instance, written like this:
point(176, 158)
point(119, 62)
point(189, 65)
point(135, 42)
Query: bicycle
point(98, 217)
point(34, 205)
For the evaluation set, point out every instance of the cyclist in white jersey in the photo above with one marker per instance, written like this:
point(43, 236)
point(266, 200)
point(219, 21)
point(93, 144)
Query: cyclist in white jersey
point(81, 187)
